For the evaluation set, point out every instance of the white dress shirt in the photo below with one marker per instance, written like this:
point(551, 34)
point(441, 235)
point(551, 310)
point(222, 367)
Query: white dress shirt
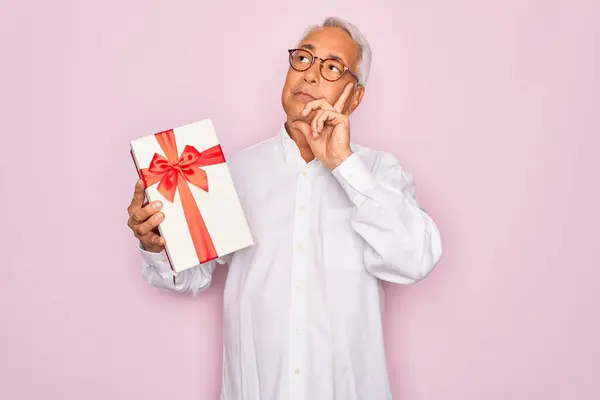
point(302, 306)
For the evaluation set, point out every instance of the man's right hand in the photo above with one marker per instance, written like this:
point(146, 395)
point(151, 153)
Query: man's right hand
point(143, 221)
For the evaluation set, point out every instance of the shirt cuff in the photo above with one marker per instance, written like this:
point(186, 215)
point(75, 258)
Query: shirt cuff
point(158, 260)
point(355, 178)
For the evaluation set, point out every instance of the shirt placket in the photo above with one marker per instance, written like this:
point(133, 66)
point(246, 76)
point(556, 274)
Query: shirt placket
point(298, 298)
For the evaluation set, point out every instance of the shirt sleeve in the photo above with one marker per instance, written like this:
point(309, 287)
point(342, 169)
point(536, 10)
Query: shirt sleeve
point(403, 242)
point(157, 271)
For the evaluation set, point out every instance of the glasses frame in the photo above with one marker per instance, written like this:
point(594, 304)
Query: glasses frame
point(321, 61)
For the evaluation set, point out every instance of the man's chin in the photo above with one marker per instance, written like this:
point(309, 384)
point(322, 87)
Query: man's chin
point(295, 112)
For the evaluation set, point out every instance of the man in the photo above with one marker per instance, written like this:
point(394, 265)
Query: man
point(331, 220)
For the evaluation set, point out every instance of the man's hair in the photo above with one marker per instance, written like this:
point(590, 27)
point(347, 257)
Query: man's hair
point(364, 49)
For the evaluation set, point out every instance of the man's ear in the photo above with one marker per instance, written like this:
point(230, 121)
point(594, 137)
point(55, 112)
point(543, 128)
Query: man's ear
point(355, 98)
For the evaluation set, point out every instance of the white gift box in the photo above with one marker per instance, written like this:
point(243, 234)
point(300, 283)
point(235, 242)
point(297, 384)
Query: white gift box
point(185, 169)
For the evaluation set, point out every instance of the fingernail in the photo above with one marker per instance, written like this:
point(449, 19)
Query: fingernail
point(159, 216)
point(157, 205)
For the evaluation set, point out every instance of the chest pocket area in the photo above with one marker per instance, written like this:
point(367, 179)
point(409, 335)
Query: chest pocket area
point(342, 247)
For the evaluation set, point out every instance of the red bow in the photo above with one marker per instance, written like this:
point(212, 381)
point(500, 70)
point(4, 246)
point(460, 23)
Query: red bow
point(174, 173)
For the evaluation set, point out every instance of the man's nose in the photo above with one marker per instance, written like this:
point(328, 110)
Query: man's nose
point(311, 75)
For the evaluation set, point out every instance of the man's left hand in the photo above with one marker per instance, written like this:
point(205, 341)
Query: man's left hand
point(328, 135)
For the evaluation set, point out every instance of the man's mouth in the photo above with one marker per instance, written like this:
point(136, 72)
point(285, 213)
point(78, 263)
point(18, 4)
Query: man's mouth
point(305, 97)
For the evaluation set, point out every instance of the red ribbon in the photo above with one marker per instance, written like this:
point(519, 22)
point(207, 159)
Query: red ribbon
point(173, 173)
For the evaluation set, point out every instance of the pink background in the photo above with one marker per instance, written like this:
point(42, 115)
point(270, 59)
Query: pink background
point(493, 106)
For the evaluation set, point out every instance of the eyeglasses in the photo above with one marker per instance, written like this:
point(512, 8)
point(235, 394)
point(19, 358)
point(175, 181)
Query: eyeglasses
point(331, 69)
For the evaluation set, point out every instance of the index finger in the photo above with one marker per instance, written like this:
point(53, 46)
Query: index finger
point(341, 101)
point(138, 196)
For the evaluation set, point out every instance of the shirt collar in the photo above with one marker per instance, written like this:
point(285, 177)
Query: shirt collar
point(288, 146)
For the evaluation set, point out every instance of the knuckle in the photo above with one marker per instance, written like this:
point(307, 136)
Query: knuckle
point(140, 230)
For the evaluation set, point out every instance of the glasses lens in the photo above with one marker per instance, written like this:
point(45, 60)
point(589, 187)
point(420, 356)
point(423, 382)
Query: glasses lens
point(301, 60)
point(332, 70)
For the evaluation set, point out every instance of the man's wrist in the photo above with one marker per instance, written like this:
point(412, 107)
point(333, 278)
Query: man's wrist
point(151, 248)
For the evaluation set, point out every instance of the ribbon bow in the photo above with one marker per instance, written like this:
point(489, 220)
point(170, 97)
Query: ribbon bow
point(173, 173)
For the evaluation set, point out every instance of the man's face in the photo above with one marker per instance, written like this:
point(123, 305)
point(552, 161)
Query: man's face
point(302, 87)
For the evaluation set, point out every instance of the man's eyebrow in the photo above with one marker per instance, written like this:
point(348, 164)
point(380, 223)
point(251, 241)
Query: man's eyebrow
point(333, 56)
point(312, 48)
point(308, 46)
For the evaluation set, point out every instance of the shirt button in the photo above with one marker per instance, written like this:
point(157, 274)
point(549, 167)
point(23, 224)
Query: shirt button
point(296, 371)
point(300, 247)
point(304, 173)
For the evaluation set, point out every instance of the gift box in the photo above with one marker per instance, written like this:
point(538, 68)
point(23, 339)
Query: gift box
point(186, 170)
